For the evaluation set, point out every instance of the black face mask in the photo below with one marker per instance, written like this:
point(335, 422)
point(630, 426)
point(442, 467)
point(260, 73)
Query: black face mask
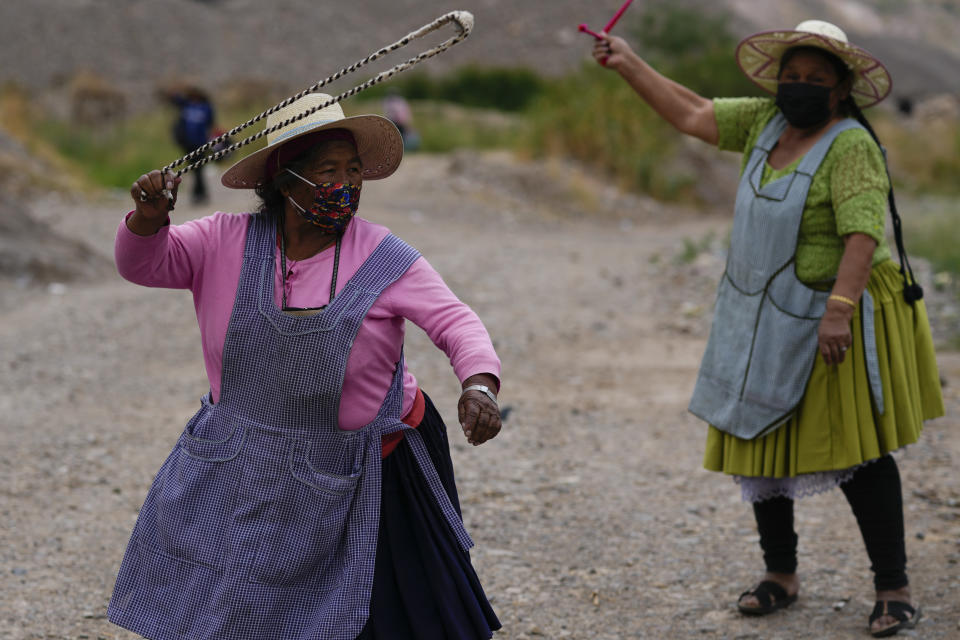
point(803, 104)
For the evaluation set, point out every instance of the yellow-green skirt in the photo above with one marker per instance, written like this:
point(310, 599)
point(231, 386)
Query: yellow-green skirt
point(835, 426)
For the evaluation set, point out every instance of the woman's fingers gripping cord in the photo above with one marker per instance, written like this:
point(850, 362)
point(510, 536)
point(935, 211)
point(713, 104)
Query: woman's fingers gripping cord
point(611, 51)
point(142, 186)
point(150, 188)
point(601, 50)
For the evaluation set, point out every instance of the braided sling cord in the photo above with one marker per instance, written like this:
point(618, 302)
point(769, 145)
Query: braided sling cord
point(463, 20)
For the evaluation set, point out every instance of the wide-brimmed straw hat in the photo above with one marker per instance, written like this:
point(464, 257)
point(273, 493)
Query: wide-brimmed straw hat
point(379, 144)
point(759, 57)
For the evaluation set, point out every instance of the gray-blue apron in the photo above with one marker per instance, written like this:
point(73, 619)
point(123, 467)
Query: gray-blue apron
point(763, 341)
point(263, 521)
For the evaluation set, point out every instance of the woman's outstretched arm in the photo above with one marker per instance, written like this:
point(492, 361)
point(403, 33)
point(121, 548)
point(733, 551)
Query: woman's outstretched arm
point(688, 112)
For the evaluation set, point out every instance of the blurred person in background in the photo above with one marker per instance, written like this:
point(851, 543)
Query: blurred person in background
point(398, 111)
point(192, 129)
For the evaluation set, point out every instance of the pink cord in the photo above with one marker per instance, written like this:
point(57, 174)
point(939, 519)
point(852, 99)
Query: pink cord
point(616, 16)
point(585, 29)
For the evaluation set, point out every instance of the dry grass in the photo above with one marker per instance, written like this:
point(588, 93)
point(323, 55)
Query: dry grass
point(924, 155)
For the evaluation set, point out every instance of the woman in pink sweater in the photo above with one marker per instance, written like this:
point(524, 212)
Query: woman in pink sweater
point(312, 495)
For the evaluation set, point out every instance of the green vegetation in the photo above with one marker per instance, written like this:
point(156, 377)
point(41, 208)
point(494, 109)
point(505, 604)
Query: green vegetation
point(504, 89)
point(924, 156)
point(590, 115)
point(930, 230)
point(692, 248)
point(115, 155)
point(693, 48)
point(594, 117)
point(444, 128)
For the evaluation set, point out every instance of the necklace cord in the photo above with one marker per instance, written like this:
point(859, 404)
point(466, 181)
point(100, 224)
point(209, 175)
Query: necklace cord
point(283, 267)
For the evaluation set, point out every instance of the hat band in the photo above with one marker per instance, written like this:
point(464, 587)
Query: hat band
point(298, 130)
point(287, 153)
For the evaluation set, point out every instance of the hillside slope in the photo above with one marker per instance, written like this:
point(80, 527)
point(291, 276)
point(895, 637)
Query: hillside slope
point(293, 43)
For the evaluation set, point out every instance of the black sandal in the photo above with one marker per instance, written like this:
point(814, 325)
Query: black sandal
point(905, 615)
point(771, 597)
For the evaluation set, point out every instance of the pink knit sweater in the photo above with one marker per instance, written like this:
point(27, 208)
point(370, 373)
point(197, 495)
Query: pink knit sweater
point(205, 256)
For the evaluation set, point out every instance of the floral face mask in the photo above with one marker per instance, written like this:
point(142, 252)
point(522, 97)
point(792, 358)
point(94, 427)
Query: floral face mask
point(334, 204)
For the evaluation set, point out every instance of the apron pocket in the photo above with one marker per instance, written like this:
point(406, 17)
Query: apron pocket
point(726, 357)
point(193, 501)
point(782, 359)
point(306, 542)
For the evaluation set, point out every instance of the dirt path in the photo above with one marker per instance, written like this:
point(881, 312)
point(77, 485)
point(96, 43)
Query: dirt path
point(592, 516)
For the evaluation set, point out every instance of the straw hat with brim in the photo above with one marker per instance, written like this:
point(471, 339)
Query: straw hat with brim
point(759, 57)
point(379, 144)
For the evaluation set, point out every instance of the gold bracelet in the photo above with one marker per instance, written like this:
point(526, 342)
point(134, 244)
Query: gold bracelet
point(843, 299)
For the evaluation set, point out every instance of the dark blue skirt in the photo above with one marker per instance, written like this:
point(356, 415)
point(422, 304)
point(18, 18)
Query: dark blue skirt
point(424, 587)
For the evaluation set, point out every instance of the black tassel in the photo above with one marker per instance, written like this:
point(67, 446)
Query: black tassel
point(912, 292)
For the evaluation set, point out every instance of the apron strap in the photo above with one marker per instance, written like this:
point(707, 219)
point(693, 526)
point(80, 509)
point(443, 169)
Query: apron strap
point(387, 422)
point(419, 449)
point(812, 159)
point(771, 133)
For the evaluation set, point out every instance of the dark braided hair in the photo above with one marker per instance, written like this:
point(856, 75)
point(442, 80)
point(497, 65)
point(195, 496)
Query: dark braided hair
point(911, 290)
point(849, 108)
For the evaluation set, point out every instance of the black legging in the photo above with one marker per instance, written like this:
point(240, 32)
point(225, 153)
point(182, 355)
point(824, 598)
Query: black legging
point(875, 496)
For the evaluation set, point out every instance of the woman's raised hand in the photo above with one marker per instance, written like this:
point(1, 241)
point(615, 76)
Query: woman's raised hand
point(150, 213)
point(611, 51)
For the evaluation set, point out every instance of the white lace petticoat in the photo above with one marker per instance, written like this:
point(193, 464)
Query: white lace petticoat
point(758, 488)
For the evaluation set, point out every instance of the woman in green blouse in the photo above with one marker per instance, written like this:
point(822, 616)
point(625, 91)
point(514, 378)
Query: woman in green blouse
point(866, 366)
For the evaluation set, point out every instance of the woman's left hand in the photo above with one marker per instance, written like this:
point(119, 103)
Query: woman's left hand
point(834, 336)
point(479, 415)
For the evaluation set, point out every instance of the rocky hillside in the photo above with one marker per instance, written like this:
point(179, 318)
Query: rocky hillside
point(136, 44)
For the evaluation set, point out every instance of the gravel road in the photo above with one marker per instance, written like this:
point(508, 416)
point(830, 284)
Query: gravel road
point(592, 516)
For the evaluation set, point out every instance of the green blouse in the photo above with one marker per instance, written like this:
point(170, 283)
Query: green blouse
point(848, 194)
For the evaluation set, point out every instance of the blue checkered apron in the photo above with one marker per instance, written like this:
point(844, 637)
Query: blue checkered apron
point(263, 521)
point(763, 341)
